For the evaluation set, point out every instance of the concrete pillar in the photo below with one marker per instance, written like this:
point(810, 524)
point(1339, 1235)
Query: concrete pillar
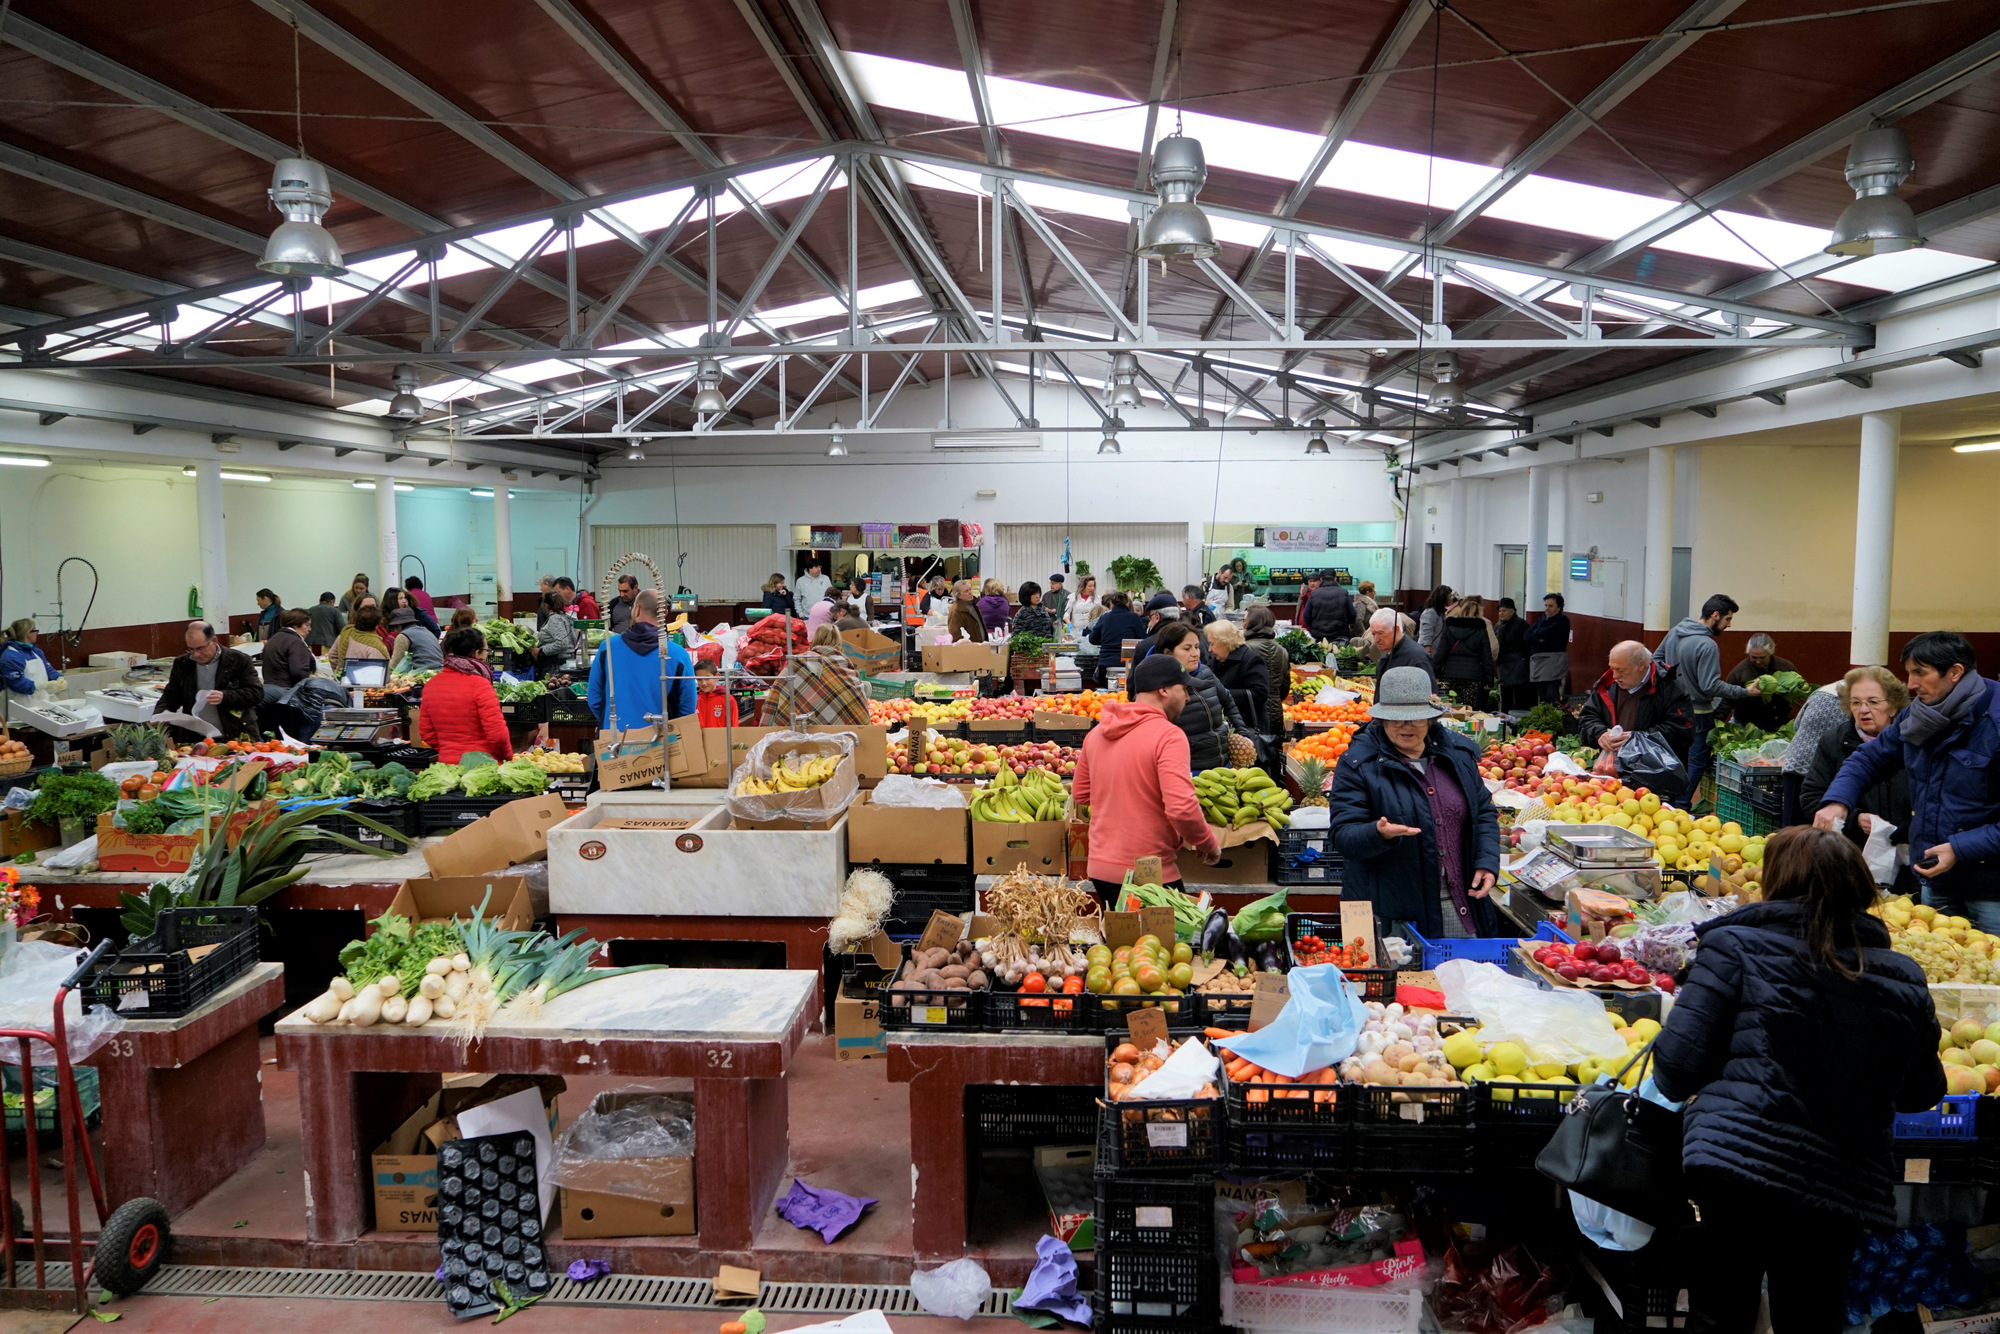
point(1537, 584)
point(388, 553)
point(503, 551)
point(1875, 536)
point(1659, 537)
point(214, 549)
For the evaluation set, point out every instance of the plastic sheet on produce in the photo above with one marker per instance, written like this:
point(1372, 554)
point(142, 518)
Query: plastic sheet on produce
point(825, 802)
point(31, 971)
point(927, 793)
point(1565, 1026)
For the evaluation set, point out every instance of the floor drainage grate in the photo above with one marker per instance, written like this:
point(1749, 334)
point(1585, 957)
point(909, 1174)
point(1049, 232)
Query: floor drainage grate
point(615, 1290)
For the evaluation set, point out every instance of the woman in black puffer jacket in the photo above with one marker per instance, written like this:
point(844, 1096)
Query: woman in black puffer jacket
point(1464, 652)
point(1210, 713)
point(1797, 1037)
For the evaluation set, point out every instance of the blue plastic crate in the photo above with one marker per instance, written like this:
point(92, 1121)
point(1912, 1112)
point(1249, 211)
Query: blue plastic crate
point(1496, 950)
point(1954, 1118)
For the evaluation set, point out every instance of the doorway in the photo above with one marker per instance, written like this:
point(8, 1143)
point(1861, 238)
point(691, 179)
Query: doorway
point(1435, 554)
point(1514, 578)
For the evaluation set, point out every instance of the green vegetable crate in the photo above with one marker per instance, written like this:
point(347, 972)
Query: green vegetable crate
point(1731, 806)
point(45, 1098)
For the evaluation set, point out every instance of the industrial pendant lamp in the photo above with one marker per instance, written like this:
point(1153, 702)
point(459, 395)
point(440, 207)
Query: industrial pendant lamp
point(1124, 382)
point(1878, 222)
point(636, 453)
point(835, 449)
point(1446, 396)
point(1317, 445)
point(1177, 229)
point(708, 399)
point(405, 406)
point(301, 247)
point(1109, 444)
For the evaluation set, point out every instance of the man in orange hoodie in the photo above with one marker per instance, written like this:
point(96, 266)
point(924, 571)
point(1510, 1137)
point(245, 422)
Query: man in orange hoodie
point(1135, 776)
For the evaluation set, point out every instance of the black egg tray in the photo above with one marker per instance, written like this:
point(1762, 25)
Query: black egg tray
point(490, 1224)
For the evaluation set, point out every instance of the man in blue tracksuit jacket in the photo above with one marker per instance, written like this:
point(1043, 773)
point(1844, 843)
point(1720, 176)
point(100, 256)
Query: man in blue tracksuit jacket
point(634, 657)
point(1946, 739)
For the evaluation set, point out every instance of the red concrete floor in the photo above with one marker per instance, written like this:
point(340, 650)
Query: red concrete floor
point(849, 1132)
point(233, 1315)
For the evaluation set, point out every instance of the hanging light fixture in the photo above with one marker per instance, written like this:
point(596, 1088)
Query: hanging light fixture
point(1446, 396)
point(636, 451)
point(1109, 444)
point(1124, 381)
point(708, 399)
point(1177, 229)
point(405, 406)
point(835, 449)
point(1878, 222)
point(300, 246)
point(1318, 445)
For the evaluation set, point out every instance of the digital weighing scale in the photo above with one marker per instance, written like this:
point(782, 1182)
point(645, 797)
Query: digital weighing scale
point(357, 727)
point(1591, 856)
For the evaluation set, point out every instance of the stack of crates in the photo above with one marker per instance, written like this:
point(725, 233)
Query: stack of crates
point(1155, 1213)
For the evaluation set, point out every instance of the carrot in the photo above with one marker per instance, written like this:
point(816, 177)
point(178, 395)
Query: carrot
point(734, 1327)
point(1259, 1249)
point(1219, 1032)
point(1256, 1095)
point(1272, 1077)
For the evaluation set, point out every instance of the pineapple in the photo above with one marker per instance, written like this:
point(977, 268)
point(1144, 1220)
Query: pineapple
point(1242, 751)
point(138, 741)
point(1312, 782)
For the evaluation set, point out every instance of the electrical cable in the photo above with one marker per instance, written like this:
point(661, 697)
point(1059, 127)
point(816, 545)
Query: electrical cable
point(1430, 256)
point(76, 636)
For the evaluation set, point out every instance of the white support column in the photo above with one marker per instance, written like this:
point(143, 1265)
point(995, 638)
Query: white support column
point(1659, 537)
point(214, 549)
point(503, 550)
point(1875, 536)
point(388, 554)
point(1457, 533)
point(1537, 582)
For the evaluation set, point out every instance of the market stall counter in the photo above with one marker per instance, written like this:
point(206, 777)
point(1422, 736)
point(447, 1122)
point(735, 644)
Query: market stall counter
point(158, 1078)
point(733, 1032)
point(938, 1067)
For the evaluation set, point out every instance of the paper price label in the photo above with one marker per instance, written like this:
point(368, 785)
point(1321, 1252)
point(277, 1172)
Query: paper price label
point(1167, 1135)
point(1146, 1028)
point(931, 1014)
point(1158, 922)
point(1917, 1171)
point(1154, 1215)
point(1411, 1111)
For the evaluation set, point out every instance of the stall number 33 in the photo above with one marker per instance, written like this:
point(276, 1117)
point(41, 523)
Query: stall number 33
point(718, 1059)
point(120, 1047)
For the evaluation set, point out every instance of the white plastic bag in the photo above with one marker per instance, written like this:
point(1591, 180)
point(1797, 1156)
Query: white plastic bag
point(824, 802)
point(1880, 851)
point(1559, 763)
point(957, 1289)
point(30, 973)
point(1190, 1066)
point(1564, 1026)
point(928, 793)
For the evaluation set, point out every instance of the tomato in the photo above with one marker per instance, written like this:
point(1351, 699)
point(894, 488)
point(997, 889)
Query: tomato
point(1034, 982)
point(1072, 986)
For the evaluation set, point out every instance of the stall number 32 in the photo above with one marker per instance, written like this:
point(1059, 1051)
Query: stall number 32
point(718, 1059)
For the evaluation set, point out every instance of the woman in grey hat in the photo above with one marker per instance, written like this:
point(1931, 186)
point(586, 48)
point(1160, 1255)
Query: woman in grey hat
point(1412, 818)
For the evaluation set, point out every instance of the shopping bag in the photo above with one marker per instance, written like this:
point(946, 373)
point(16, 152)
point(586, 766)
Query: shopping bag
point(1646, 760)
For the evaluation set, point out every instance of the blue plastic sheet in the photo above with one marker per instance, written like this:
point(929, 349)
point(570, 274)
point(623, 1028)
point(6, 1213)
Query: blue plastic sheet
point(1319, 1026)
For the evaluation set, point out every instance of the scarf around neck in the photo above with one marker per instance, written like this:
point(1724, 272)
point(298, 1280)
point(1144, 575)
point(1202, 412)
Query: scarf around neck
point(1923, 723)
point(470, 666)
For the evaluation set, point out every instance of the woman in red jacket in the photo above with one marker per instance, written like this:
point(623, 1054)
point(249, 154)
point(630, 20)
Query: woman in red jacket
point(460, 711)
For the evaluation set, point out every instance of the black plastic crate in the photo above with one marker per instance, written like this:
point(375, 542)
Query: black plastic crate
point(1224, 1009)
point(1009, 1010)
point(575, 788)
point(1171, 1134)
point(1414, 1150)
point(1172, 1213)
point(162, 966)
point(412, 757)
point(930, 1010)
point(400, 816)
point(1018, 1116)
point(1512, 1123)
point(1003, 736)
point(1257, 1148)
point(922, 889)
point(1649, 1285)
point(1149, 1288)
point(1104, 1013)
point(1445, 1107)
point(455, 810)
point(1297, 1107)
point(565, 709)
point(1941, 1162)
point(1376, 984)
point(1305, 857)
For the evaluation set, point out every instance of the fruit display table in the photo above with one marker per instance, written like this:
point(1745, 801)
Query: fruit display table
point(157, 1078)
point(938, 1067)
point(733, 1032)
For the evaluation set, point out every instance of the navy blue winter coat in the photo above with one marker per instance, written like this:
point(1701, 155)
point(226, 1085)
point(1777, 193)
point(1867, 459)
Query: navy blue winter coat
point(1110, 631)
point(1400, 875)
point(1796, 1073)
point(1954, 790)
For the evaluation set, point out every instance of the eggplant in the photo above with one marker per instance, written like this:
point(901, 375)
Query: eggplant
point(1209, 940)
point(1267, 957)
point(1239, 954)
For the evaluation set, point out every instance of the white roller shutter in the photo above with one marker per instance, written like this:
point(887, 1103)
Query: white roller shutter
point(726, 562)
point(1024, 551)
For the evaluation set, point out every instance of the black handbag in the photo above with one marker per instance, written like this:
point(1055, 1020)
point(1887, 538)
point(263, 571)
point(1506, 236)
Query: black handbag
point(1622, 1151)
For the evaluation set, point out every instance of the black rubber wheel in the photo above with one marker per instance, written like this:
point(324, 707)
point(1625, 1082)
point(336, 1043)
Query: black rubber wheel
point(131, 1246)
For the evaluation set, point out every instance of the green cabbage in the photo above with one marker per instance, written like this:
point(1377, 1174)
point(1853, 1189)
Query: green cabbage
point(523, 776)
point(1784, 685)
point(482, 782)
point(434, 782)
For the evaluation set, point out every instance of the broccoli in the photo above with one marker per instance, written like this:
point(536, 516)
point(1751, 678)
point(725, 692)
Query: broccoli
point(389, 783)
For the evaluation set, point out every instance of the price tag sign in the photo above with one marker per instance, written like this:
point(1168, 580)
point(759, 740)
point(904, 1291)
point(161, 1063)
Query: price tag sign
point(1167, 1134)
point(1146, 871)
point(943, 932)
point(1266, 1006)
point(1122, 928)
point(1154, 1215)
point(1158, 922)
point(1357, 922)
point(1146, 1028)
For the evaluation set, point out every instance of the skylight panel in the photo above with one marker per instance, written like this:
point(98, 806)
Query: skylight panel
point(1905, 269)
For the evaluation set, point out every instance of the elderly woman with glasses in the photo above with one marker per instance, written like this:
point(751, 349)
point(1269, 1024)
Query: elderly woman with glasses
point(1871, 697)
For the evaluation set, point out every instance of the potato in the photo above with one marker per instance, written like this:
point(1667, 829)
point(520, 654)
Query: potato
point(932, 979)
point(977, 979)
point(955, 970)
point(899, 1001)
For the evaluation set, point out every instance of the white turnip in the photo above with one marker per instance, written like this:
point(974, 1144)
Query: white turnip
point(323, 1009)
point(367, 1007)
point(342, 989)
point(419, 1013)
point(393, 1010)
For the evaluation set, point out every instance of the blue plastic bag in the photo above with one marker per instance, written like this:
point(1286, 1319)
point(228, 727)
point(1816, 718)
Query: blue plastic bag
point(1319, 1026)
point(1601, 1224)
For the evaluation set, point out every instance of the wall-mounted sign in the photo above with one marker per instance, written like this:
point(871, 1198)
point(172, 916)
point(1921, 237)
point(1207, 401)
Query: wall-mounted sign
point(1300, 539)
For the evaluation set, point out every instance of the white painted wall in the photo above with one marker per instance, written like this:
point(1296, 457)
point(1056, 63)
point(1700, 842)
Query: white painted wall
point(296, 536)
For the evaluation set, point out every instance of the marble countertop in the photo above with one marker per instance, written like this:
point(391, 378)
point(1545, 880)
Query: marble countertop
point(697, 1004)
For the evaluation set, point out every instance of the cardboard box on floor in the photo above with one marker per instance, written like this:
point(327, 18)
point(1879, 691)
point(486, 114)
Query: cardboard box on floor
point(857, 1025)
point(906, 834)
point(654, 1195)
point(1041, 847)
point(517, 832)
point(404, 1166)
point(455, 898)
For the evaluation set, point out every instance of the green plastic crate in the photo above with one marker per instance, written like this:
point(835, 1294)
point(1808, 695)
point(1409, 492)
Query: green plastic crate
point(1730, 806)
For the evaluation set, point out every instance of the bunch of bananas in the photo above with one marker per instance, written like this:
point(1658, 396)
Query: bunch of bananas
point(1008, 799)
point(791, 774)
point(1233, 798)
